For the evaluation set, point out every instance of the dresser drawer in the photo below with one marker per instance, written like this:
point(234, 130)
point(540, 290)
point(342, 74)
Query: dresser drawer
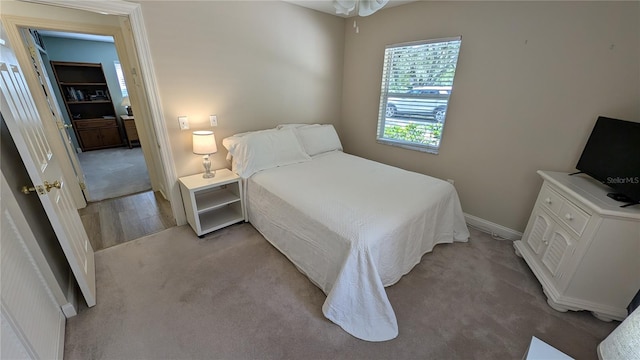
point(551, 200)
point(94, 123)
point(574, 217)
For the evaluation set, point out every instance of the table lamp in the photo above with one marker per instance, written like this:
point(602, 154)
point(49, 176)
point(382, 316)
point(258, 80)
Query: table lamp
point(127, 105)
point(624, 341)
point(204, 143)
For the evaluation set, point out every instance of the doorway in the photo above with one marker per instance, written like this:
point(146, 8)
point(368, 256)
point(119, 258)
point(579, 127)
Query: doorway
point(124, 22)
point(110, 170)
point(121, 205)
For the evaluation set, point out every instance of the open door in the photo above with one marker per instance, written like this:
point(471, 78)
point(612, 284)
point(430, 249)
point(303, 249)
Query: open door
point(49, 185)
point(63, 129)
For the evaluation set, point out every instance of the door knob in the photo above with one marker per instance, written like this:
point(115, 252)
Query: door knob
point(29, 189)
point(40, 189)
point(56, 184)
point(62, 125)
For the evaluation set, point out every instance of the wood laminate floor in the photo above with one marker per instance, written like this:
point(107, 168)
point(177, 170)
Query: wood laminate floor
point(115, 221)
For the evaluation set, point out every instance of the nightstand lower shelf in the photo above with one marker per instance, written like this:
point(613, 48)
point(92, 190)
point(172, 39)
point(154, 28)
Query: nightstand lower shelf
point(220, 217)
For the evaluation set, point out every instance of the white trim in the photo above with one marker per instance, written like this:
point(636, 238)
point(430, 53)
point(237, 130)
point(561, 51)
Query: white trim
point(134, 13)
point(106, 7)
point(70, 309)
point(492, 228)
point(61, 335)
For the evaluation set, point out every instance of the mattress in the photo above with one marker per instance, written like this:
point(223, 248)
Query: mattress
point(354, 226)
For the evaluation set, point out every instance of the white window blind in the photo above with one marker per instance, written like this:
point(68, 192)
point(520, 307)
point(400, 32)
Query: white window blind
point(123, 85)
point(417, 81)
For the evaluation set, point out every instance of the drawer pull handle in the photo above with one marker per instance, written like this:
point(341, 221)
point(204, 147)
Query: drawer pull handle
point(568, 216)
point(548, 201)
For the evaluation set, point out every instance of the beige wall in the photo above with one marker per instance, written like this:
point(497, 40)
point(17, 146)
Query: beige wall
point(254, 64)
point(19, 8)
point(532, 78)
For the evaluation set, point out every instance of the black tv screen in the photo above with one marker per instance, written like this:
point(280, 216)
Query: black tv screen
point(612, 156)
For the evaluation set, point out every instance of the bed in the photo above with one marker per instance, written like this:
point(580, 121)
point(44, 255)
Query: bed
point(351, 225)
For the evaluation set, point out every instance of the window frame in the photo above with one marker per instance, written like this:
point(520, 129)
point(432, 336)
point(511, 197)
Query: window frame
point(385, 94)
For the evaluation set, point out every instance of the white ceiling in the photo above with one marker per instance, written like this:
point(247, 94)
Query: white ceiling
point(326, 6)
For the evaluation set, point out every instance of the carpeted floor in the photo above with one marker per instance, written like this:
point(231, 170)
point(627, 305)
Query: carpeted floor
point(230, 295)
point(110, 173)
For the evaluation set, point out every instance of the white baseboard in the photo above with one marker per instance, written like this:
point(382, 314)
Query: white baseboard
point(161, 191)
point(492, 228)
point(70, 309)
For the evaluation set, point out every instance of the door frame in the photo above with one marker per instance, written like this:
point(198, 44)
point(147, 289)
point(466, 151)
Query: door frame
point(132, 36)
point(51, 81)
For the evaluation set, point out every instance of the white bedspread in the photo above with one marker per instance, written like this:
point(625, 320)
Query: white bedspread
point(354, 226)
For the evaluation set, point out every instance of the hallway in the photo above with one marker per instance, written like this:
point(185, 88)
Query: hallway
point(115, 221)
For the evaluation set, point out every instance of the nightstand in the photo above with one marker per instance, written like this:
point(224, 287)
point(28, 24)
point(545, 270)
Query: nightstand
point(211, 204)
point(582, 246)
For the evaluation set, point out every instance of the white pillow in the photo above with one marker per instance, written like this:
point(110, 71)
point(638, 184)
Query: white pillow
point(262, 150)
point(290, 126)
point(232, 141)
point(318, 139)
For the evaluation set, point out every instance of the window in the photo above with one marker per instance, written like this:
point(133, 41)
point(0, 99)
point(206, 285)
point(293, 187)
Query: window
point(417, 80)
point(123, 85)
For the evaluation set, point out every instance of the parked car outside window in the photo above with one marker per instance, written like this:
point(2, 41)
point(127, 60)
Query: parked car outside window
point(429, 101)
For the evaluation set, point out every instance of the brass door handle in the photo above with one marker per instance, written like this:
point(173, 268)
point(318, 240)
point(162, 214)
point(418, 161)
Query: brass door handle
point(56, 184)
point(62, 125)
point(27, 190)
point(41, 189)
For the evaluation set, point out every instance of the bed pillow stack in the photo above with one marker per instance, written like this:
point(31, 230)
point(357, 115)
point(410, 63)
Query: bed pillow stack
point(254, 151)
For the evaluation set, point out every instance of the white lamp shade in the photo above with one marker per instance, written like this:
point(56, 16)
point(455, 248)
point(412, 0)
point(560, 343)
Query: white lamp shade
point(204, 142)
point(125, 101)
point(624, 342)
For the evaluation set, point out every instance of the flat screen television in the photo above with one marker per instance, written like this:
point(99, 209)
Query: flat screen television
point(612, 156)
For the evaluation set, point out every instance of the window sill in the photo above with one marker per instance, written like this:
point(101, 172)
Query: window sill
point(409, 146)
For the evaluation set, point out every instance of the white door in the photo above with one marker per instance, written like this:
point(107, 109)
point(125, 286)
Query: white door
point(78, 189)
point(25, 126)
point(31, 319)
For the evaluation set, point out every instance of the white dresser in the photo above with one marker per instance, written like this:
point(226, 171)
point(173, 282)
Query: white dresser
point(582, 246)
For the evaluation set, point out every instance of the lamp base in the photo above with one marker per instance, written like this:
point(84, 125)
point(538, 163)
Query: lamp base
point(207, 168)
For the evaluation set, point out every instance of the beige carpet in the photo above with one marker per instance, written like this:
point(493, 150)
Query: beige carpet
point(230, 295)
